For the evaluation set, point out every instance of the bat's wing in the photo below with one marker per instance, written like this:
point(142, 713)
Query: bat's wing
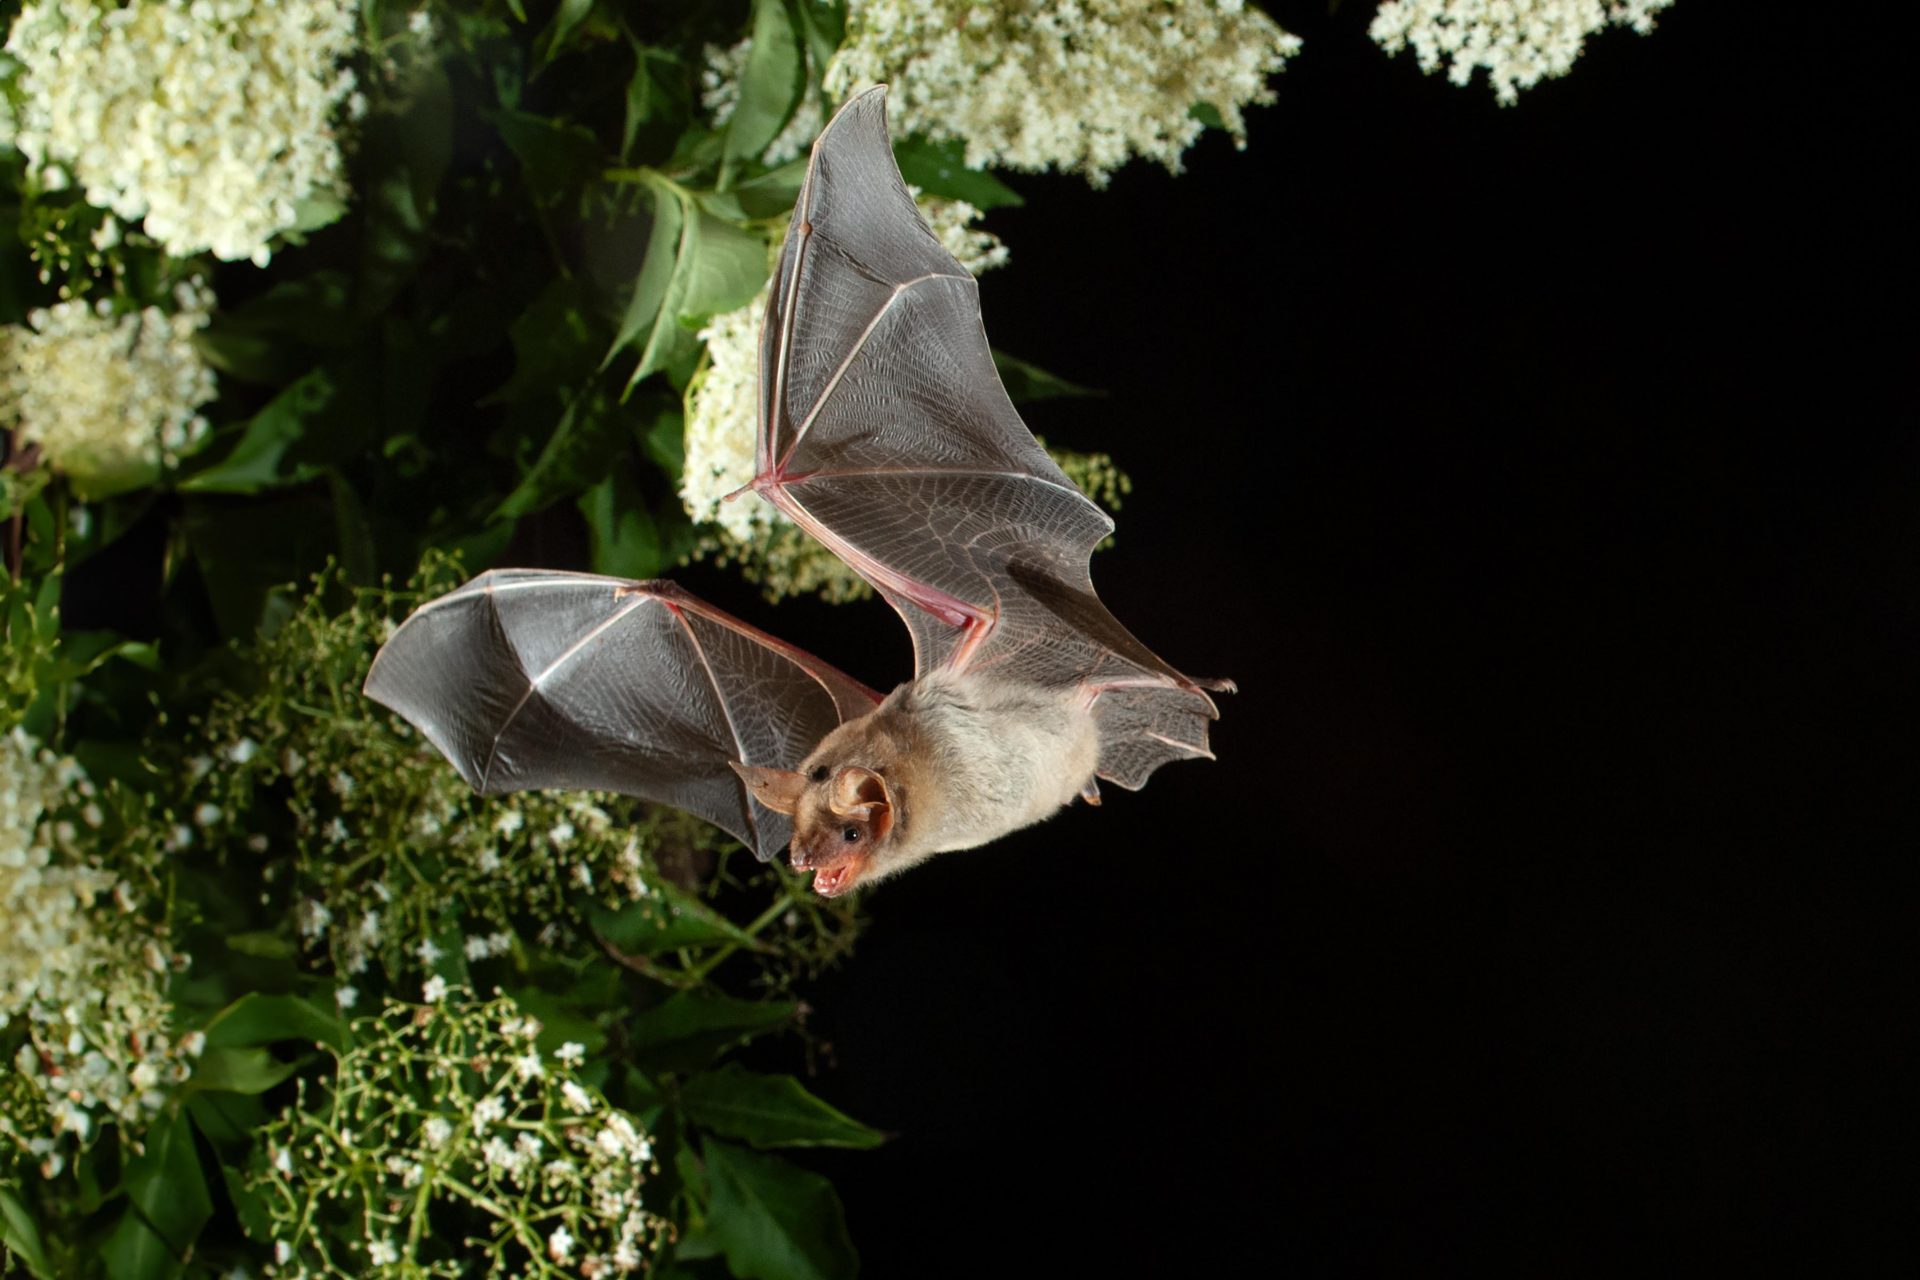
point(528, 680)
point(886, 434)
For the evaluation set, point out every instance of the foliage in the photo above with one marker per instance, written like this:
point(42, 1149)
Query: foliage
point(280, 996)
point(284, 803)
point(305, 310)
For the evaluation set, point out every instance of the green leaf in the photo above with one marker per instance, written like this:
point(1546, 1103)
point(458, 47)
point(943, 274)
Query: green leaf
point(556, 157)
point(246, 550)
point(584, 445)
point(548, 338)
point(267, 340)
point(654, 96)
point(770, 86)
point(227, 1120)
point(256, 461)
point(769, 1111)
point(623, 539)
point(310, 310)
point(772, 194)
point(247, 1071)
point(46, 607)
point(727, 268)
point(264, 943)
point(404, 157)
point(133, 1251)
point(687, 1029)
point(316, 210)
point(775, 1220)
point(250, 356)
point(823, 24)
point(1026, 383)
point(249, 1200)
point(668, 920)
point(651, 286)
point(562, 1017)
point(20, 1235)
point(667, 444)
point(166, 1184)
point(697, 265)
point(257, 1018)
point(940, 169)
point(566, 20)
point(352, 528)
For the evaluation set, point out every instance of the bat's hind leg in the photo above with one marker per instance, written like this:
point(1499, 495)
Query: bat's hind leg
point(1146, 724)
point(1091, 792)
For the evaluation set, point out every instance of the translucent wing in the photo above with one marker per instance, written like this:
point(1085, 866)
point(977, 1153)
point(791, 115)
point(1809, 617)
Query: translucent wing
point(885, 432)
point(529, 680)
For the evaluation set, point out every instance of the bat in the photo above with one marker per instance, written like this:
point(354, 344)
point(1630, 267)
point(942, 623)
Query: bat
point(884, 432)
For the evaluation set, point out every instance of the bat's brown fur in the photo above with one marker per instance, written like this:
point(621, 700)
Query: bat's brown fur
point(947, 762)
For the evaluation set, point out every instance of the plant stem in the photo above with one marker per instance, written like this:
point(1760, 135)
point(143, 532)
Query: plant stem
point(765, 918)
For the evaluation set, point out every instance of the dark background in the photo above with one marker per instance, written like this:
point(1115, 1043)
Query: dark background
point(1545, 476)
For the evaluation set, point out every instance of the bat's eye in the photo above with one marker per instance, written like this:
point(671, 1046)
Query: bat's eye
point(820, 773)
point(850, 834)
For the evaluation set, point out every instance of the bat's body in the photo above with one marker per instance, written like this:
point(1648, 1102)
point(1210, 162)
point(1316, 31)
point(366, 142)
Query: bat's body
point(957, 761)
point(885, 433)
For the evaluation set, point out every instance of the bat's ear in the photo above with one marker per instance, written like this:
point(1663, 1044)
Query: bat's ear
point(859, 792)
point(778, 789)
point(862, 793)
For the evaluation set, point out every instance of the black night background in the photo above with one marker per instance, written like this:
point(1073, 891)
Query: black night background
point(1546, 478)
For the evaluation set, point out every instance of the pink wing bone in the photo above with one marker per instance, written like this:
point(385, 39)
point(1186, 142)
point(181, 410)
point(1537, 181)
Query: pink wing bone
point(895, 586)
point(851, 698)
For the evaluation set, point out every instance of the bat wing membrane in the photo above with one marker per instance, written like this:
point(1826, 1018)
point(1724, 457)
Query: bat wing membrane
point(530, 680)
point(886, 433)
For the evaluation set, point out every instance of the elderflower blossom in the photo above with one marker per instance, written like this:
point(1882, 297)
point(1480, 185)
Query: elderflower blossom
point(722, 422)
point(209, 119)
point(97, 1048)
point(720, 93)
point(108, 397)
point(445, 1121)
point(1080, 86)
point(1519, 42)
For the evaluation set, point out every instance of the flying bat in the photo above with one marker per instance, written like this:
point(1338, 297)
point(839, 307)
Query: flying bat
point(885, 433)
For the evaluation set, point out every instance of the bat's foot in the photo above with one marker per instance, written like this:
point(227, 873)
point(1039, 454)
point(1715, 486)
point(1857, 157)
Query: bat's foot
point(1091, 792)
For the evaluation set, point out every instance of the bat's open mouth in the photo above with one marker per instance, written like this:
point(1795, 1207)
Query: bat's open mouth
point(831, 882)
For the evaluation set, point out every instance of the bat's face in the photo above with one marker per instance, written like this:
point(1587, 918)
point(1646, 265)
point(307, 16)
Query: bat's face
point(842, 817)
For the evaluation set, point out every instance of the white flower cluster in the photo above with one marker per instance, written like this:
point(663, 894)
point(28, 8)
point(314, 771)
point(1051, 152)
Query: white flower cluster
point(721, 426)
point(720, 93)
point(88, 994)
point(1519, 42)
point(209, 119)
point(1079, 85)
point(456, 1103)
point(108, 397)
point(723, 405)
